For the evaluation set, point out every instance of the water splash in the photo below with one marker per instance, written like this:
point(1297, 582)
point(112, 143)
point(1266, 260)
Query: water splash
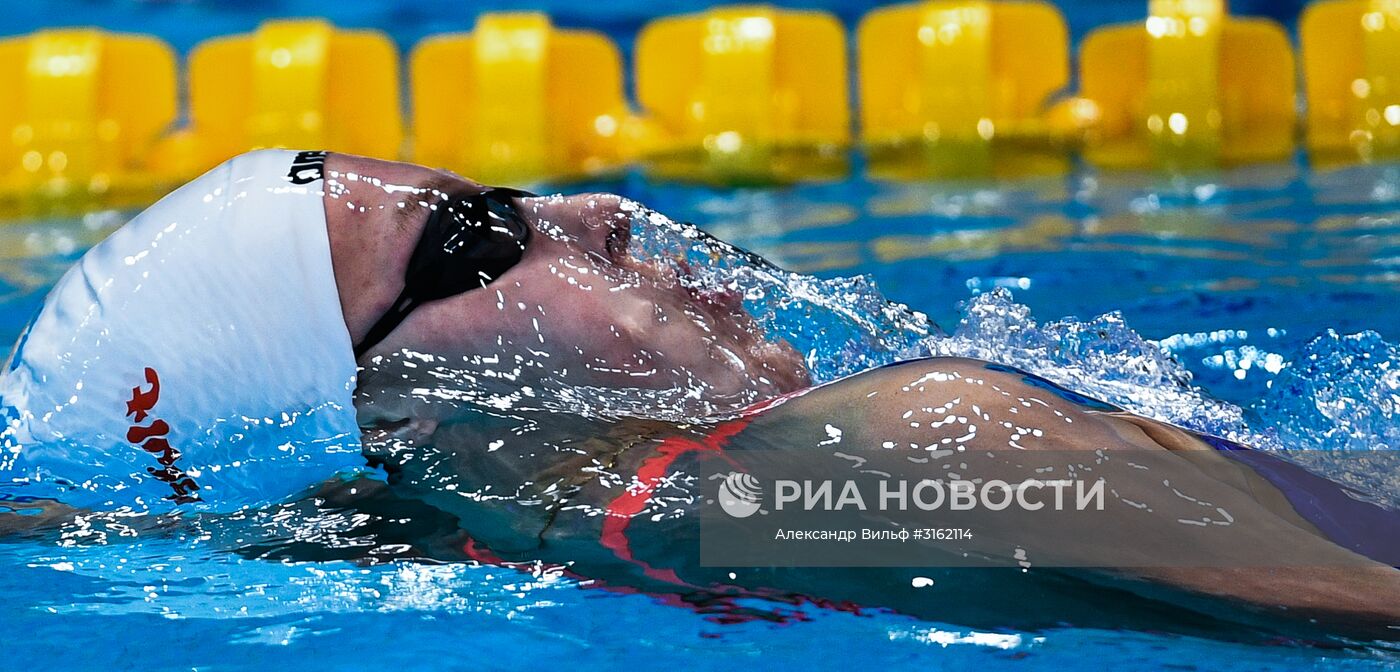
point(1101, 357)
point(1341, 392)
point(842, 326)
point(846, 325)
point(1336, 397)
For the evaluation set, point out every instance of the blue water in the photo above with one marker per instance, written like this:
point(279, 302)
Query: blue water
point(1238, 275)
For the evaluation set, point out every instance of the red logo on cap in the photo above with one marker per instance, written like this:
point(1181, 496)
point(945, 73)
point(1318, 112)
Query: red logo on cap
point(151, 438)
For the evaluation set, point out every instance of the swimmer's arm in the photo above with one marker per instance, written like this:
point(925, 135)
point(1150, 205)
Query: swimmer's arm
point(872, 409)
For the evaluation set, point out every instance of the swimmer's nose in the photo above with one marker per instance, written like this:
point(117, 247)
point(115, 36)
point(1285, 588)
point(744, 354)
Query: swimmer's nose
point(595, 222)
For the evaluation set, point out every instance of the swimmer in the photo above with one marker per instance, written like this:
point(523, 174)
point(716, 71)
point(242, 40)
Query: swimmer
point(292, 316)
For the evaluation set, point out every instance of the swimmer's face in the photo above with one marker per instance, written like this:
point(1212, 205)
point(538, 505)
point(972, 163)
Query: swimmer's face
point(577, 308)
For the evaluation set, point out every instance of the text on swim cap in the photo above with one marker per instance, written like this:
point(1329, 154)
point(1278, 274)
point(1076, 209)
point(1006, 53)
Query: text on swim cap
point(151, 438)
point(307, 167)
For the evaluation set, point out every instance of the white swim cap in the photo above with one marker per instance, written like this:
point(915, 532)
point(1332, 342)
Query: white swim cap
point(197, 355)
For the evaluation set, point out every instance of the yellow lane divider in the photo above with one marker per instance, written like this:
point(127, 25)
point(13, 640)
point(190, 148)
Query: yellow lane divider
point(963, 87)
point(1190, 88)
point(1351, 63)
point(518, 100)
point(82, 110)
point(296, 83)
point(743, 93)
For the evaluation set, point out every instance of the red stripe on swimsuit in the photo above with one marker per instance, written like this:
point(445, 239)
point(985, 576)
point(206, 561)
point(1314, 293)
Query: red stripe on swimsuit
point(654, 468)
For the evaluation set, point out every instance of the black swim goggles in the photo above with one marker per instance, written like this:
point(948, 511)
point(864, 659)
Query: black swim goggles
point(468, 242)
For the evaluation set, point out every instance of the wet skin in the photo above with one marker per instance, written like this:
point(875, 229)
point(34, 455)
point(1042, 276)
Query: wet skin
point(577, 310)
point(577, 303)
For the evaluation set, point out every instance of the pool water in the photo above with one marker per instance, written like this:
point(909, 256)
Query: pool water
point(1270, 288)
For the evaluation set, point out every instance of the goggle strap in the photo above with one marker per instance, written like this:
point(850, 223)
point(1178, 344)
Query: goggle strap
point(387, 323)
point(408, 300)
